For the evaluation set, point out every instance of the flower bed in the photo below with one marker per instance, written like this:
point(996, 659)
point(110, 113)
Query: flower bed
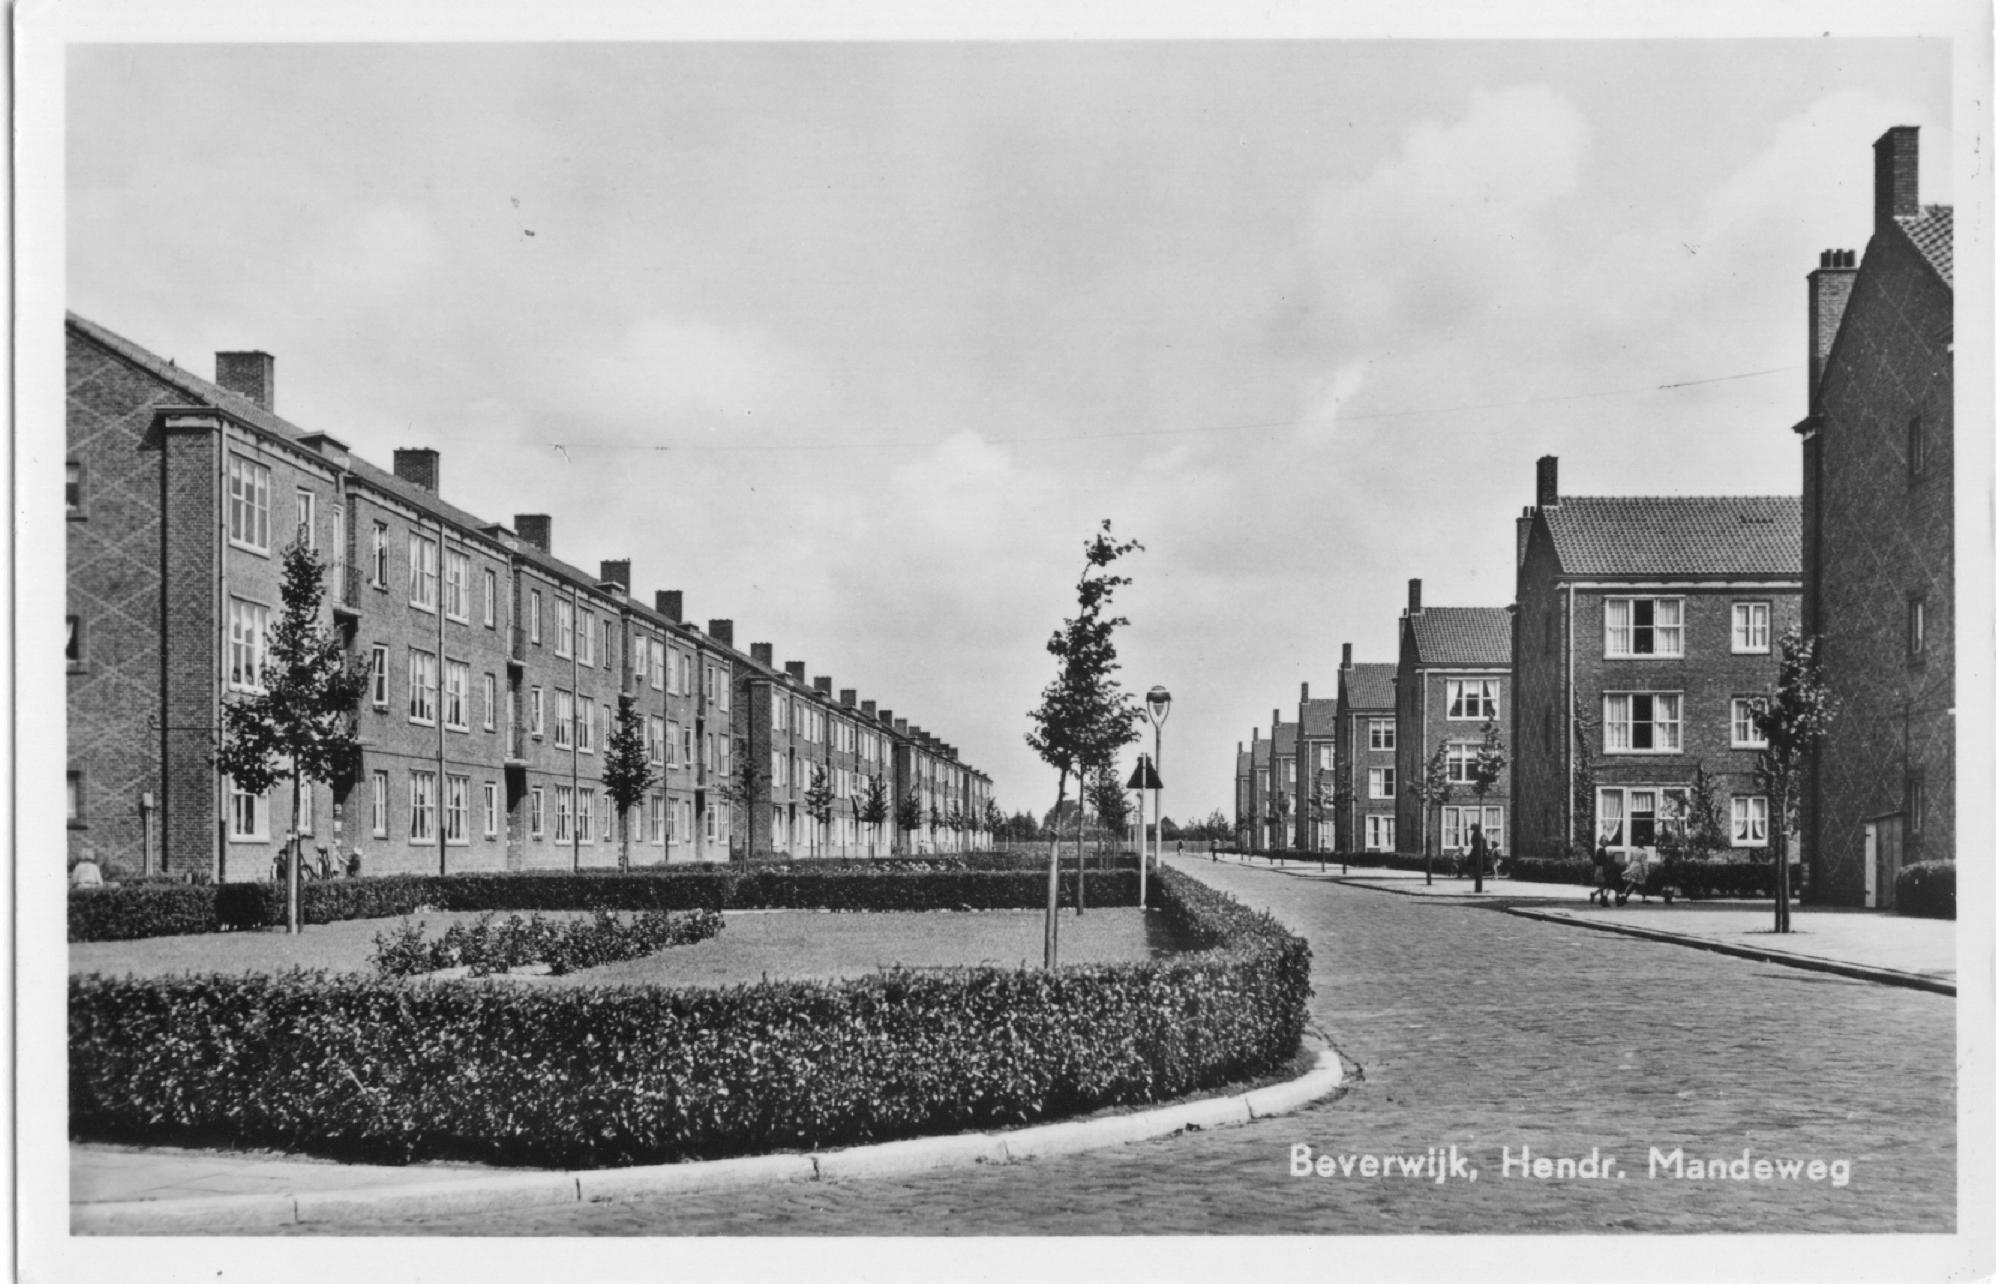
point(393, 1070)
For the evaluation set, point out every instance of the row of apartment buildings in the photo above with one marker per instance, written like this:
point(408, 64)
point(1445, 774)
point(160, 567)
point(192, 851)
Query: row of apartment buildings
point(1645, 630)
point(496, 671)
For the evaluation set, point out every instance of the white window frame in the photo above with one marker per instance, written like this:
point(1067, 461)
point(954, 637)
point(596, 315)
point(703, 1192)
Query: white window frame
point(657, 649)
point(457, 810)
point(457, 586)
point(1380, 782)
point(308, 518)
point(378, 677)
point(585, 725)
point(249, 644)
point(564, 813)
point(378, 572)
point(1750, 820)
point(655, 739)
point(585, 816)
point(534, 616)
point(537, 812)
point(1477, 698)
point(640, 660)
point(1619, 724)
point(564, 719)
point(423, 684)
point(537, 710)
point(1457, 818)
point(491, 791)
point(491, 578)
point(251, 808)
point(457, 695)
point(1379, 835)
point(1621, 631)
point(656, 805)
point(564, 627)
point(1753, 625)
point(491, 702)
point(1746, 734)
point(422, 572)
point(585, 638)
point(378, 804)
point(1380, 735)
point(422, 806)
point(1461, 759)
point(249, 504)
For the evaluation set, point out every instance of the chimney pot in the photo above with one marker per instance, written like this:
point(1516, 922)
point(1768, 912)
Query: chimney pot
point(669, 603)
point(1306, 693)
point(868, 708)
point(1829, 293)
point(1896, 175)
point(417, 465)
point(536, 529)
point(763, 653)
point(249, 374)
point(887, 717)
point(1548, 481)
point(822, 684)
point(849, 697)
point(1413, 597)
point(617, 572)
point(1346, 663)
point(722, 631)
point(795, 668)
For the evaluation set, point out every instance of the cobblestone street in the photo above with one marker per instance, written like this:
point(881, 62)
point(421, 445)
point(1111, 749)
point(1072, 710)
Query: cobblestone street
point(1468, 1028)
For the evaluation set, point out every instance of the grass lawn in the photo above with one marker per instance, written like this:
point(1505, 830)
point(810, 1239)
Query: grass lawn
point(779, 945)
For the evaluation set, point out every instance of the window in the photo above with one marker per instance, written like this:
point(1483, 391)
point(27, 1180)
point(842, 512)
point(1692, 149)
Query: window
point(1916, 804)
point(1379, 782)
point(657, 806)
point(1916, 449)
point(1640, 626)
point(308, 524)
point(1916, 629)
point(1750, 821)
point(655, 740)
point(422, 806)
point(707, 753)
point(1379, 833)
point(422, 572)
point(72, 488)
point(564, 626)
point(76, 800)
point(72, 650)
point(306, 812)
point(564, 813)
point(564, 718)
point(1379, 734)
point(249, 816)
point(379, 570)
point(1745, 734)
point(249, 625)
point(609, 647)
point(339, 567)
point(585, 817)
point(634, 825)
point(491, 599)
point(1471, 699)
point(457, 586)
point(457, 695)
point(1456, 823)
point(534, 616)
point(537, 711)
point(249, 504)
point(640, 660)
point(378, 804)
point(457, 803)
point(491, 809)
point(422, 687)
point(685, 747)
point(1750, 628)
point(585, 726)
point(657, 665)
point(1630, 818)
point(712, 812)
point(724, 687)
point(537, 813)
point(491, 700)
point(727, 748)
point(1642, 722)
point(777, 778)
point(1323, 758)
point(1461, 763)
point(585, 639)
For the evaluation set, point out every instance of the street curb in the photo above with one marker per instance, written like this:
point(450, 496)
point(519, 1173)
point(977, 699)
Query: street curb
point(1856, 971)
point(886, 1159)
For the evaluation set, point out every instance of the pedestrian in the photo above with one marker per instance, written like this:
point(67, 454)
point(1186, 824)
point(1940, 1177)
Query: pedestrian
point(1479, 850)
point(1607, 875)
point(1181, 849)
point(86, 873)
point(353, 863)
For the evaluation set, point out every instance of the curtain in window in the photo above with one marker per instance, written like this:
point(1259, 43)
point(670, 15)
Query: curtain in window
point(1608, 817)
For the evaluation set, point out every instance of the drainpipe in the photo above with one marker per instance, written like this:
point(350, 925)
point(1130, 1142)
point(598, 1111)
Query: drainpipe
point(1567, 716)
point(443, 692)
point(574, 730)
point(221, 637)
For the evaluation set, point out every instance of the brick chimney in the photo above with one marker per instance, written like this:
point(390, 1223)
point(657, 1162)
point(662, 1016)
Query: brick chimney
point(1413, 597)
point(1306, 693)
point(1896, 176)
point(822, 684)
point(616, 573)
point(849, 697)
point(670, 603)
point(249, 374)
point(1829, 292)
point(868, 709)
point(887, 718)
point(795, 668)
point(901, 726)
point(722, 631)
point(417, 465)
point(763, 653)
point(1548, 481)
point(1346, 662)
point(536, 529)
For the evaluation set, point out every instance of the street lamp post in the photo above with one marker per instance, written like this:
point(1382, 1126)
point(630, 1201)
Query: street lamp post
point(1157, 703)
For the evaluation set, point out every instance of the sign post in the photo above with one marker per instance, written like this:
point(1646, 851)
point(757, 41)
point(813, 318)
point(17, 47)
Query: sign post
point(1143, 779)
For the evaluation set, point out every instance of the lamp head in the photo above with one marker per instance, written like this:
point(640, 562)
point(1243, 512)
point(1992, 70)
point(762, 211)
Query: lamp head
point(1158, 703)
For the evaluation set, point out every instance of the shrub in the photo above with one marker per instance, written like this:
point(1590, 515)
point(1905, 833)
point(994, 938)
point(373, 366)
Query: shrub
point(128, 913)
point(401, 1070)
point(1925, 889)
point(486, 947)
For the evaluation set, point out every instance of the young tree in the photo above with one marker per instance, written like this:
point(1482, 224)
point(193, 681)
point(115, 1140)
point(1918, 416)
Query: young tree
point(818, 802)
point(908, 815)
point(1084, 716)
point(994, 820)
point(1583, 837)
point(874, 808)
point(1485, 770)
point(299, 724)
point(628, 771)
point(1433, 791)
point(1792, 722)
point(1112, 813)
point(739, 789)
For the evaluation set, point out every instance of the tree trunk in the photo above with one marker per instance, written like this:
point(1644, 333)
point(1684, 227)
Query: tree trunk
point(1053, 879)
point(624, 846)
point(291, 864)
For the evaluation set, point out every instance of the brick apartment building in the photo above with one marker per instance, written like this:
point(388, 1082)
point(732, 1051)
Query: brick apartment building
point(1453, 677)
point(1316, 729)
point(1243, 794)
point(1647, 630)
point(1366, 757)
point(1254, 796)
point(1878, 539)
point(1280, 804)
point(496, 671)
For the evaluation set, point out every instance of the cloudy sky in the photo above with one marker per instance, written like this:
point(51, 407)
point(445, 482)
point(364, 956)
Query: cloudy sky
point(857, 343)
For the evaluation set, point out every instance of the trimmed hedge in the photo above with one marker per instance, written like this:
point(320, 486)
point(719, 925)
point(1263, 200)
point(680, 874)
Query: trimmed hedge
point(1697, 880)
point(390, 1070)
point(486, 946)
point(119, 914)
point(1924, 889)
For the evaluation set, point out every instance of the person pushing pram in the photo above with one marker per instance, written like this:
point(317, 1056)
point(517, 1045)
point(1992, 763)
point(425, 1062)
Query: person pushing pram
point(1609, 879)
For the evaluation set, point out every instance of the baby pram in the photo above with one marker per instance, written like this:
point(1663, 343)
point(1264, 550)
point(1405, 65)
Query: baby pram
point(1645, 874)
point(1609, 881)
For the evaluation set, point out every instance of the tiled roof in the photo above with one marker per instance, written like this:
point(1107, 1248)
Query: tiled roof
point(1320, 717)
point(1369, 686)
point(1932, 233)
point(1261, 753)
point(1722, 535)
point(1462, 635)
point(1243, 761)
